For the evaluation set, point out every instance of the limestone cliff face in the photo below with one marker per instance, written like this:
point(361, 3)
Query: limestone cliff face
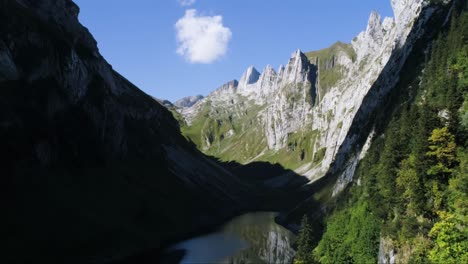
point(188, 101)
point(301, 114)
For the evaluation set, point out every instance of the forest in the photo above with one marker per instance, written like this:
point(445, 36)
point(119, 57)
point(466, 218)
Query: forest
point(410, 192)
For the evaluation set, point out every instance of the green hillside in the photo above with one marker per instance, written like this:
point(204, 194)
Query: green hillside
point(411, 189)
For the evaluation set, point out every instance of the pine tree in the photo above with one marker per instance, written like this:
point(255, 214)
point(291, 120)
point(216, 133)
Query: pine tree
point(391, 157)
point(409, 185)
point(305, 243)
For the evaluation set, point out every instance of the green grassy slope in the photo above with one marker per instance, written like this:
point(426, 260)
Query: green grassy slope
point(233, 134)
point(328, 72)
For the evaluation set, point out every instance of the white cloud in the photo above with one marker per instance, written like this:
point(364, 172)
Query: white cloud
point(186, 2)
point(202, 39)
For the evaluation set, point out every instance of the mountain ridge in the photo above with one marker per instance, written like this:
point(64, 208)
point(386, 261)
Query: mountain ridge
point(94, 168)
point(306, 108)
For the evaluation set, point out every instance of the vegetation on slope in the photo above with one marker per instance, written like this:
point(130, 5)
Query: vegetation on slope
point(412, 187)
point(231, 132)
point(329, 73)
point(234, 134)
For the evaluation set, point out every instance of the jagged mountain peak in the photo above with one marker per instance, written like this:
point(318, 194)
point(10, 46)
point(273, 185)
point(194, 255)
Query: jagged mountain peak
point(188, 101)
point(374, 27)
point(296, 67)
point(377, 32)
point(316, 119)
point(374, 17)
point(375, 20)
point(268, 71)
point(405, 10)
point(401, 8)
point(280, 69)
point(298, 55)
point(233, 83)
point(268, 68)
point(250, 76)
point(227, 88)
point(388, 23)
point(268, 78)
point(316, 91)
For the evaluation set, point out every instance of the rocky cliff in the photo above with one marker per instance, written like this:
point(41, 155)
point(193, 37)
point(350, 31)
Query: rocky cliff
point(92, 168)
point(188, 101)
point(300, 115)
point(95, 169)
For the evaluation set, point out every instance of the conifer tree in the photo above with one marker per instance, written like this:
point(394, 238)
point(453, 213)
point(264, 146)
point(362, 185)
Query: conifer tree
point(305, 243)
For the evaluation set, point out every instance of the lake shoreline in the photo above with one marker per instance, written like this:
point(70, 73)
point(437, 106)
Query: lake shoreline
point(160, 254)
point(251, 237)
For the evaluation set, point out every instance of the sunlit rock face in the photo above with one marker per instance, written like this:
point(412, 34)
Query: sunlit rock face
point(301, 114)
point(188, 101)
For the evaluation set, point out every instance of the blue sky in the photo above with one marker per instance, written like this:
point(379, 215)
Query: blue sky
point(139, 38)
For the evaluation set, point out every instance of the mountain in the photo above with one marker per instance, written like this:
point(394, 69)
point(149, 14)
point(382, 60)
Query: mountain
point(165, 103)
point(407, 202)
point(378, 125)
point(94, 169)
point(188, 101)
point(300, 116)
point(366, 123)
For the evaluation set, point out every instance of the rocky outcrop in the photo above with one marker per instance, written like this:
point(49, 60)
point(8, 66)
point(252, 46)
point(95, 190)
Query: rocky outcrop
point(188, 101)
point(250, 76)
point(226, 89)
point(384, 100)
point(95, 168)
point(387, 254)
point(303, 112)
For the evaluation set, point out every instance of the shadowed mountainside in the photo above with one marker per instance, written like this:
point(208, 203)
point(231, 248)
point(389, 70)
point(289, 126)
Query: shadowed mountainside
point(93, 168)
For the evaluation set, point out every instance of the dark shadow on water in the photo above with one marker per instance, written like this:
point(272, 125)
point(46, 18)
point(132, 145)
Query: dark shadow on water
point(87, 169)
point(275, 189)
point(152, 256)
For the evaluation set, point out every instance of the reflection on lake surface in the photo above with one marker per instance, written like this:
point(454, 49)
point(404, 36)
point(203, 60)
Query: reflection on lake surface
point(250, 238)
